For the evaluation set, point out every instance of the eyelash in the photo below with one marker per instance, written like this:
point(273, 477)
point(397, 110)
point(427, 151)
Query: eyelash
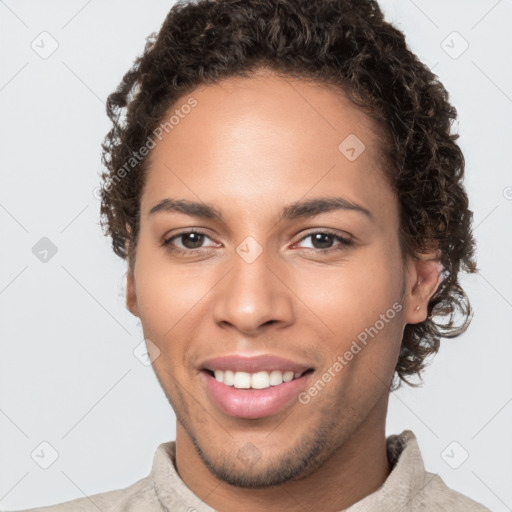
point(167, 243)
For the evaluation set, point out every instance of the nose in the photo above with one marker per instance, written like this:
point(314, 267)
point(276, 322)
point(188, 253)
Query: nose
point(254, 296)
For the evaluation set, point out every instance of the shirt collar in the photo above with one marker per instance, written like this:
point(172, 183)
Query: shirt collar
point(404, 483)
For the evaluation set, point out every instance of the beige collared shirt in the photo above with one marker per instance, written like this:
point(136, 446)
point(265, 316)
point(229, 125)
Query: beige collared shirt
point(408, 488)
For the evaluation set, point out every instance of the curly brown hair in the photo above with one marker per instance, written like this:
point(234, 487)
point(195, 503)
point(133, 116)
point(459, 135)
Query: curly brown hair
point(341, 43)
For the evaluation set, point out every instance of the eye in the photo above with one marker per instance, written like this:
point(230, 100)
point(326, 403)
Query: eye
point(191, 242)
point(323, 241)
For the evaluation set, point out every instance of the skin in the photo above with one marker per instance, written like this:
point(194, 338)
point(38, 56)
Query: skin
point(250, 147)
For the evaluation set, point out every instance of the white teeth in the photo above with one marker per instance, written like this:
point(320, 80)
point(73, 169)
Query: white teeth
point(242, 380)
point(229, 378)
point(276, 378)
point(287, 376)
point(258, 380)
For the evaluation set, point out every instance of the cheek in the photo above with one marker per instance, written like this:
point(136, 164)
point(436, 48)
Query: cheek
point(166, 293)
point(359, 302)
point(353, 295)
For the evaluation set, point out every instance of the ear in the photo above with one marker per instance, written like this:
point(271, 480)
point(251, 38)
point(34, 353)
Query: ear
point(131, 293)
point(423, 278)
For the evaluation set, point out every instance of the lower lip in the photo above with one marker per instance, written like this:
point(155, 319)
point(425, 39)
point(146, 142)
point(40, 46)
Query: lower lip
point(253, 403)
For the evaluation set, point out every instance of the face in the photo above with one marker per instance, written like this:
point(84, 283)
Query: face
point(261, 278)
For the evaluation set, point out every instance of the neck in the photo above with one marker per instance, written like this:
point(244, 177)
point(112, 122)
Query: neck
point(355, 470)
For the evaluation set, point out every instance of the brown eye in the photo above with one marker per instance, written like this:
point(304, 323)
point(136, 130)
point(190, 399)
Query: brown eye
point(324, 241)
point(190, 242)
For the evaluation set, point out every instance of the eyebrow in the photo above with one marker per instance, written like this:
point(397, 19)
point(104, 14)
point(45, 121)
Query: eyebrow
point(298, 210)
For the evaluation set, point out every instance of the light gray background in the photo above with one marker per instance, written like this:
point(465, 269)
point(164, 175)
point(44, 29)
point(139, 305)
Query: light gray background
point(68, 373)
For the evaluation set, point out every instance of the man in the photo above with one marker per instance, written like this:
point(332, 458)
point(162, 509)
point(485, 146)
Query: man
point(289, 199)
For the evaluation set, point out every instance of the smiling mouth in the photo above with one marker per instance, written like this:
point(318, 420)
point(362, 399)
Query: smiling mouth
point(258, 380)
point(241, 400)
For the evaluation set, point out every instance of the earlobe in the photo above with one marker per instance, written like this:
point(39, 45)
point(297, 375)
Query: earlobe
point(131, 294)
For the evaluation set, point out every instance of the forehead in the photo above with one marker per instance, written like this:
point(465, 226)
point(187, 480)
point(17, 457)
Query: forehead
point(263, 140)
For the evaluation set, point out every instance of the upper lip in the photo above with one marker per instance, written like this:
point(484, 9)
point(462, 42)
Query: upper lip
point(253, 364)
